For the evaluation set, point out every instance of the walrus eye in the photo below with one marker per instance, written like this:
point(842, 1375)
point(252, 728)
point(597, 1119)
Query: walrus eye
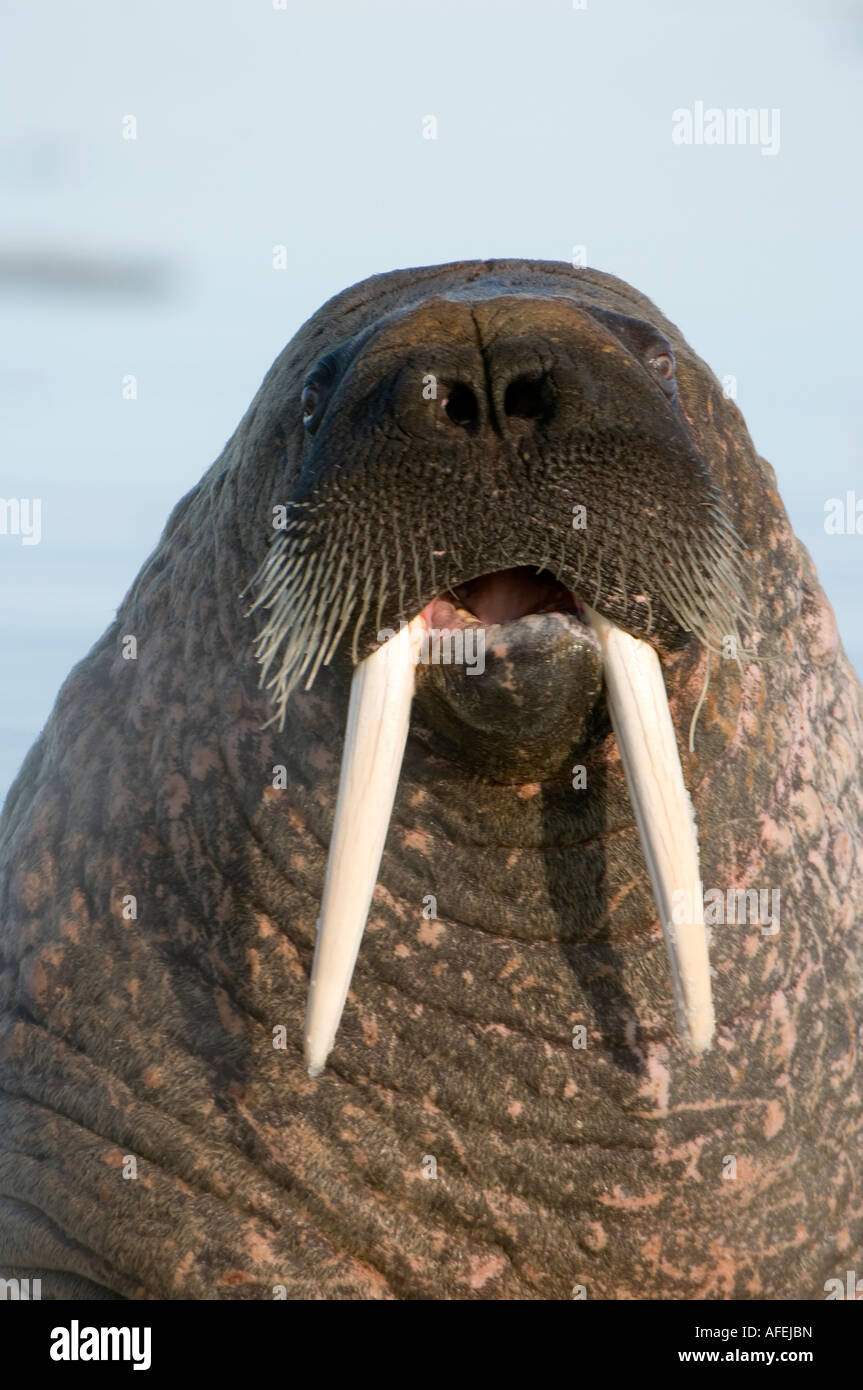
point(663, 365)
point(309, 400)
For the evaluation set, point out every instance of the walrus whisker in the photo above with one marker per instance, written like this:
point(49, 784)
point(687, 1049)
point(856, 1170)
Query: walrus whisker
point(598, 592)
point(332, 622)
point(366, 601)
point(696, 712)
point(345, 617)
point(399, 567)
point(562, 559)
point(283, 583)
point(298, 604)
point(433, 571)
point(313, 650)
point(382, 596)
point(417, 574)
point(295, 623)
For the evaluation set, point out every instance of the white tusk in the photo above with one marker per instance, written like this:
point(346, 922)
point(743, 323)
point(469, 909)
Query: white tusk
point(375, 737)
point(641, 720)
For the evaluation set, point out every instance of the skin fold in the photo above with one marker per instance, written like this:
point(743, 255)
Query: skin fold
point(461, 1143)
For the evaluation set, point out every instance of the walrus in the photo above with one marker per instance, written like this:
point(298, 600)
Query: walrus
point(586, 997)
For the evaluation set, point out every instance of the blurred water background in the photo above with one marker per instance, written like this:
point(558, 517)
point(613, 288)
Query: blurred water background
point(302, 126)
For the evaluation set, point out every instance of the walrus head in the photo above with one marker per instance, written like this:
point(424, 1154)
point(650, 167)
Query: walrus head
point(511, 834)
point(507, 462)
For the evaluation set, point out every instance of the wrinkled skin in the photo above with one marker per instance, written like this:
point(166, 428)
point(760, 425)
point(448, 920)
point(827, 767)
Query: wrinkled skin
point(557, 1166)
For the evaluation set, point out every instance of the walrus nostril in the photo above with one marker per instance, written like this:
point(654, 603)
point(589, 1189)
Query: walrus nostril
point(528, 398)
point(461, 405)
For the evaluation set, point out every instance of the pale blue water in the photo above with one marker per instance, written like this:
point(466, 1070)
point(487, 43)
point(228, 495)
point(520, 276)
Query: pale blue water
point(303, 127)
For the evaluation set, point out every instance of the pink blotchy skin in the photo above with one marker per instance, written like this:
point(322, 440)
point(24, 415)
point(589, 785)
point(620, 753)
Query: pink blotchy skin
point(508, 1112)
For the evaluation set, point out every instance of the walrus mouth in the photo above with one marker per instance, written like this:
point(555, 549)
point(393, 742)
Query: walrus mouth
point(504, 596)
point(377, 727)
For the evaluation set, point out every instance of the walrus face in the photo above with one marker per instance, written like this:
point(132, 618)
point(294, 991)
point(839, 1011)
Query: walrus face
point(515, 472)
point(496, 459)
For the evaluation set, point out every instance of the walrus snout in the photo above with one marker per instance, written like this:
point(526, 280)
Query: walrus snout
point(458, 438)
